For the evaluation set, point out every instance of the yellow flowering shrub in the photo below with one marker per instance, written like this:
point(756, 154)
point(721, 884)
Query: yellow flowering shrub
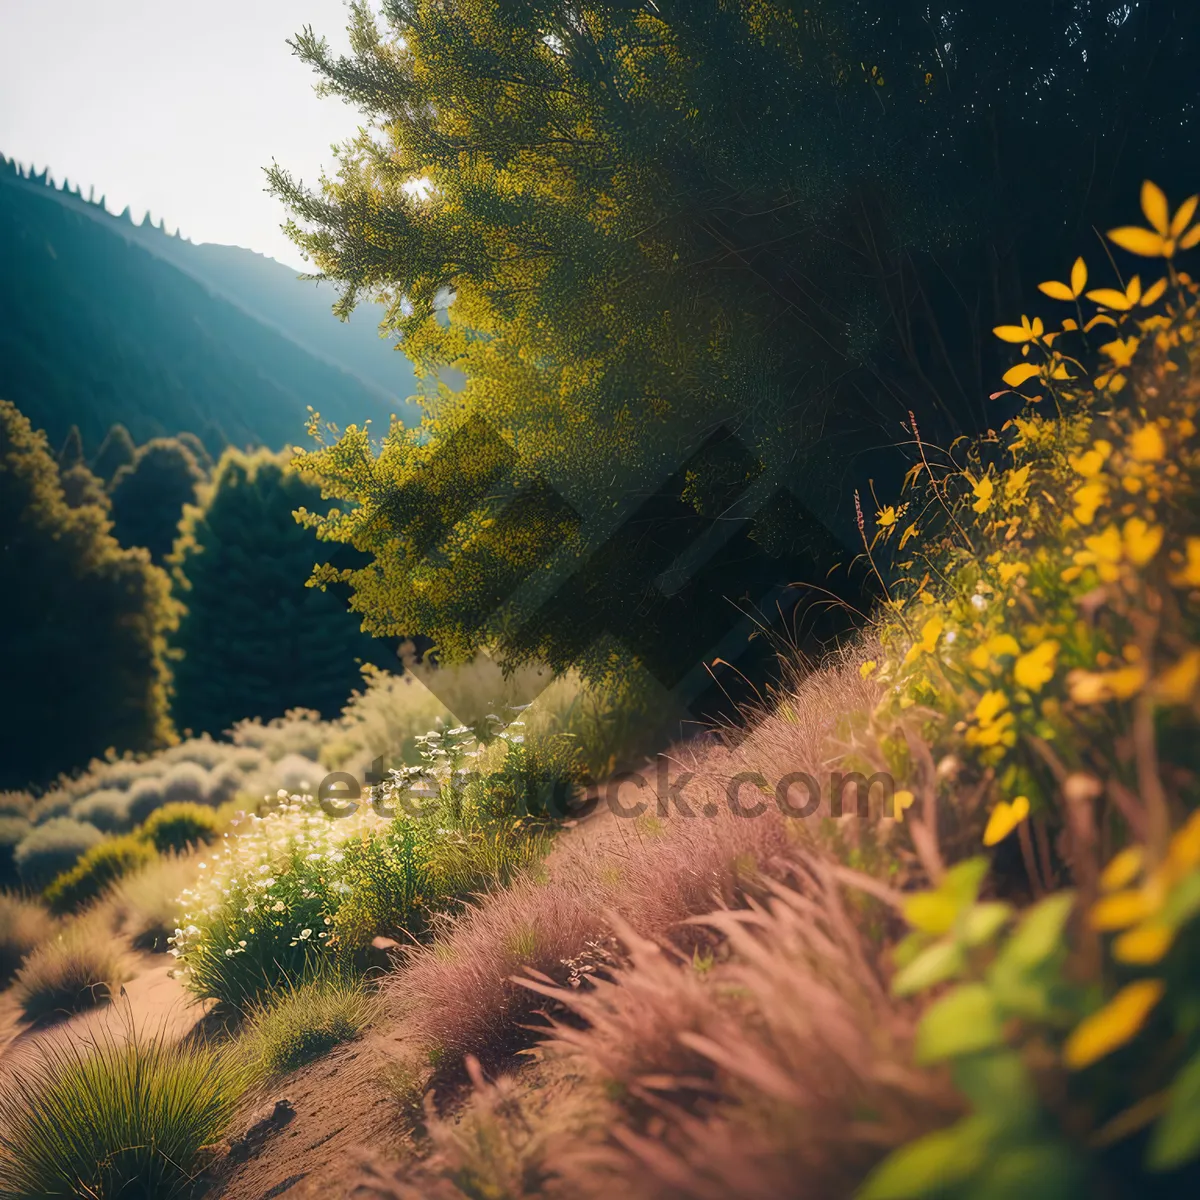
point(1042, 646)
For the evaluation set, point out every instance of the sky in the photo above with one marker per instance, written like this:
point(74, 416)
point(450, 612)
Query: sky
point(173, 107)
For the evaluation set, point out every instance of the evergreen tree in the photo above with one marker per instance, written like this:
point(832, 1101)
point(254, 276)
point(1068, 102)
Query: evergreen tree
point(790, 223)
point(199, 449)
point(149, 493)
point(82, 489)
point(82, 623)
point(256, 641)
point(116, 451)
point(72, 449)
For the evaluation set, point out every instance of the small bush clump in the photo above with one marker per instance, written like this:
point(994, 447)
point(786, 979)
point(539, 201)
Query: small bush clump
point(107, 809)
point(185, 782)
point(102, 865)
point(77, 970)
point(306, 1020)
point(51, 848)
point(24, 925)
point(175, 827)
point(116, 1118)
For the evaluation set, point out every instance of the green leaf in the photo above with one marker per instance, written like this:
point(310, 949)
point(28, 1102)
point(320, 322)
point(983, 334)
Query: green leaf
point(998, 1085)
point(1041, 1171)
point(963, 1022)
point(943, 960)
point(1176, 1138)
point(963, 880)
point(1038, 935)
point(1183, 903)
point(932, 1164)
point(984, 921)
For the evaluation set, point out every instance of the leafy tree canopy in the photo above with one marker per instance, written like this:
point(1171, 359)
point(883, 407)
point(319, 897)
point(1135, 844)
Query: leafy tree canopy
point(255, 641)
point(82, 623)
point(116, 451)
point(713, 246)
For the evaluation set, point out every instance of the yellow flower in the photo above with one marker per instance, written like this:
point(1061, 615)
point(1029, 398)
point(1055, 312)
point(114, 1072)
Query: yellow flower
point(903, 800)
point(1092, 461)
point(1009, 571)
point(983, 494)
point(1088, 499)
point(1118, 1022)
point(1168, 233)
point(868, 668)
point(1147, 445)
point(1177, 684)
point(1095, 687)
point(1189, 576)
point(1036, 666)
point(1103, 551)
point(1122, 869)
point(930, 632)
point(1144, 945)
point(887, 518)
point(1121, 301)
point(1016, 483)
point(1004, 819)
point(1141, 541)
point(991, 705)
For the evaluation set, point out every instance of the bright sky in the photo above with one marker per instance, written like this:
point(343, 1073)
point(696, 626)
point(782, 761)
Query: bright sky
point(173, 107)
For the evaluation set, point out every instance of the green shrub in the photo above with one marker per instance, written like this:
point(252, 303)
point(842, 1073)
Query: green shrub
point(52, 848)
point(184, 783)
point(178, 826)
point(79, 969)
point(24, 925)
point(104, 863)
point(116, 1118)
point(307, 1020)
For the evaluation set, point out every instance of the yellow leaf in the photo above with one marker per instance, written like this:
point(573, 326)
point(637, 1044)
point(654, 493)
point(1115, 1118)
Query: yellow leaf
point(1036, 667)
point(1147, 445)
point(867, 669)
point(1056, 290)
point(910, 532)
point(1099, 319)
point(930, 632)
point(1012, 333)
point(1154, 205)
point(990, 705)
point(1141, 541)
point(887, 518)
point(1122, 869)
point(1008, 572)
point(1121, 351)
point(1177, 684)
point(931, 912)
point(1121, 909)
point(1136, 240)
point(903, 801)
point(1004, 819)
point(1117, 1023)
point(1110, 298)
point(1126, 682)
point(1078, 278)
point(1153, 292)
point(1183, 214)
point(1189, 239)
point(1015, 376)
point(1184, 854)
point(1144, 945)
point(983, 494)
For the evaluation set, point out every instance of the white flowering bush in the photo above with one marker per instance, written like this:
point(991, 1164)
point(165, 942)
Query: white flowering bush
point(266, 901)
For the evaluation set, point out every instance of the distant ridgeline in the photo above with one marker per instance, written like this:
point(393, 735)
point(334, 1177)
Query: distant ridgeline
point(104, 321)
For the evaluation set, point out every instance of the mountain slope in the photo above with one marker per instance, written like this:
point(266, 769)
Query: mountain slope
point(104, 321)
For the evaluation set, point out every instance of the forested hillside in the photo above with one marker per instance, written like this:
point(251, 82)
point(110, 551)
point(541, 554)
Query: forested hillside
point(102, 321)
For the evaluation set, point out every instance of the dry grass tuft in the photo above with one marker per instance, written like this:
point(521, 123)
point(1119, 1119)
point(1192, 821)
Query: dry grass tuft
point(77, 970)
point(24, 925)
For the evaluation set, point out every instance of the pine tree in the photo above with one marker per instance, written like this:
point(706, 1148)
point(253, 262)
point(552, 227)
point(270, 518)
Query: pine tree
point(255, 641)
point(116, 451)
point(72, 449)
point(198, 449)
point(149, 493)
point(82, 623)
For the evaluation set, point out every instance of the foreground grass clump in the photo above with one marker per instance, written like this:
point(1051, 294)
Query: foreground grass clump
point(304, 1021)
point(102, 865)
point(77, 970)
point(116, 1118)
point(24, 925)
